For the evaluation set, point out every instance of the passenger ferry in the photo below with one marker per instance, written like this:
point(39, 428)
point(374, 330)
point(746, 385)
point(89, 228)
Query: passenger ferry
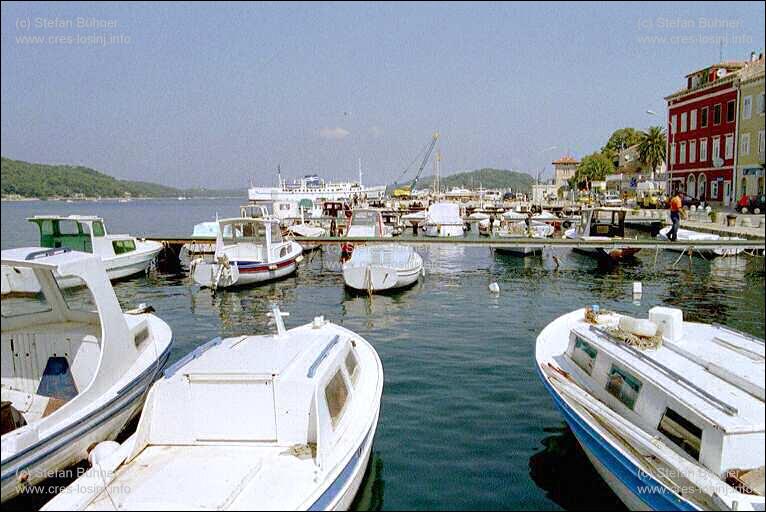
point(313, 188)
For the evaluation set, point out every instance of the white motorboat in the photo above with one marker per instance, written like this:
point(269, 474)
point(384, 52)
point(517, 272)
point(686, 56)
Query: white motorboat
point(365, 223)
point(687, 235)
point(75, 368)
point(271, 422)
point(382, 267)
point(443, 220)
point(516, 230)
point(601, 225)
point(123, 255)
point(548, 218)
point(670, 413)
point(255, 253)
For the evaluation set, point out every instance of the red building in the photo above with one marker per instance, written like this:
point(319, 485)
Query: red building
point(702, 128)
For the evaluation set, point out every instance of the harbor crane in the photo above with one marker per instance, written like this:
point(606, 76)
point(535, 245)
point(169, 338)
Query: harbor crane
point(407, 192)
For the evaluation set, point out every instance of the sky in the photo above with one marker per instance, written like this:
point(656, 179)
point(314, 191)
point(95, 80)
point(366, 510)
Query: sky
point(219, 95)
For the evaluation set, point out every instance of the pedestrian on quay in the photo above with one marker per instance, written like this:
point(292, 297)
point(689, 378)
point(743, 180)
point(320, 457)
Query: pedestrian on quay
point(676, 207)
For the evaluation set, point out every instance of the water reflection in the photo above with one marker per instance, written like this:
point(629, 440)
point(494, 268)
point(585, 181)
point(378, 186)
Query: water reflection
point(370, 495)
point(566, 475)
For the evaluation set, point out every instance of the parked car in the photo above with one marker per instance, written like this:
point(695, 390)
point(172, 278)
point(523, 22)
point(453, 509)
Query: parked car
point(611, 199)
point(755, 204)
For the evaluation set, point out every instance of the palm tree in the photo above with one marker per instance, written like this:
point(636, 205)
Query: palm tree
point(652, 148)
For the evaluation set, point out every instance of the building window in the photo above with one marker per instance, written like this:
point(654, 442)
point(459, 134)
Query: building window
point(747, 107)
point(760, 143)
point(716, 148)
point(759, 105)
point(693, 120)
point(717, 114)
point(730, 112)
point(703, 117)
point(683, 122)
point(691, 186)
point(714, 189)
point(692, 151)
point(702, 187)
point(672, 154)
point(682, 156)
point(744, 144)
point(703, 150)
point(673, 124)
point(729, 146)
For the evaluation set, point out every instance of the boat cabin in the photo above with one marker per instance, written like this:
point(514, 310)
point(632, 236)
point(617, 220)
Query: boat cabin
point(53, 346)
point(253, 211)
point(81, 233)
point(366, 222)
point(336, 209)
point(250, 239)
point(699, 388)
point(602, 222)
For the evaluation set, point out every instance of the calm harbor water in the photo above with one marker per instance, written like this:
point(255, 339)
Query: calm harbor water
point(465, 421)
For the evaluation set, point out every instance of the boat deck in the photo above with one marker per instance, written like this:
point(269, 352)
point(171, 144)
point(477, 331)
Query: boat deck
point(174, 477)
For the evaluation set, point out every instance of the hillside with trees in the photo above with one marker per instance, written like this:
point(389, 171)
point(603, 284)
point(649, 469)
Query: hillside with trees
point(485, 178)
point(44, 181)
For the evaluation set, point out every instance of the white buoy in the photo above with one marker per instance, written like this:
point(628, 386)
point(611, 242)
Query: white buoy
point(494, 288)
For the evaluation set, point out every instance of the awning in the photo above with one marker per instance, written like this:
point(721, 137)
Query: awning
point(752, 171)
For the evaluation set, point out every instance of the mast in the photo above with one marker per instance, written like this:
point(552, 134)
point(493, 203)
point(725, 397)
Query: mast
point(279, 176)
point(360, 173)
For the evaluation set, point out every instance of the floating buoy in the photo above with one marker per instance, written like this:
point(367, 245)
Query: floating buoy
point(494, 288)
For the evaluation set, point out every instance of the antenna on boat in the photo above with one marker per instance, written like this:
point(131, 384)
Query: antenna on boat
point(360, 172)
point(276, 316)
point(279, 176)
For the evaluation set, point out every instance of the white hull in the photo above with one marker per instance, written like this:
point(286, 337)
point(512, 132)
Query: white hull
point(270, 194)
point(379, 278)
point(70, 443)
point(520, 251)
point(685, 235)
point(119, 267)
point(443, 230)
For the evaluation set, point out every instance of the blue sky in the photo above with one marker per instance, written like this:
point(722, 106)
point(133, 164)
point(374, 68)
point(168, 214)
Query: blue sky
point(217, 95)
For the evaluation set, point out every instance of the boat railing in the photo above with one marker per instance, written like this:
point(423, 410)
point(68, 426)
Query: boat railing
point(668, 372)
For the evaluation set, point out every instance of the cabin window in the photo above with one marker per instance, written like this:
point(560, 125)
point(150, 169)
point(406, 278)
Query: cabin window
point(682, 432)
point(98, 229)
point(623, 386)
point(123, 246)
point(336, 394)
point(584, 355)
point(69, 228)
point(352, 366)
point(19, 306)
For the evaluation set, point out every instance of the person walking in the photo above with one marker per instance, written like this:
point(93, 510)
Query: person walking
point(676, 207)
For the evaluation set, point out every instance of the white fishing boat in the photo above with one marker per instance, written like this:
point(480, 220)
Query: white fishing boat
point(255, 253)
point(517, 230)
point(601, 225)
point(270, 422)
point(687, 235)
point(670, 413)
point(75, 368)
point(365, 223)
point(443, 220)
point(123, 255)
point(382, 267)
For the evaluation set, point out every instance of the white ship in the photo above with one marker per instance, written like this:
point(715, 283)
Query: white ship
point(313, 188)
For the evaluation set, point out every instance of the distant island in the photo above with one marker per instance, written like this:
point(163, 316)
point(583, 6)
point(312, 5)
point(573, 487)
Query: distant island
point(24, 180)
point(486, 178)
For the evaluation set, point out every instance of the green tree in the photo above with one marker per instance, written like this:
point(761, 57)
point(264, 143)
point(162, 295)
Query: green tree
point(652, 148)
point(620, 139)
point(593, 167)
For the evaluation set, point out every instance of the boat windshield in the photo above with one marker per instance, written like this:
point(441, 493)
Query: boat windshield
point(71, 234)
point(365, 218)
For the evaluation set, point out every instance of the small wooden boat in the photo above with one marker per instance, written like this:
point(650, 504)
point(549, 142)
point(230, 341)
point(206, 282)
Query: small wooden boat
point(75, 367)
point(123, 255)
point(669, 412)
point(382, 267)
point(271, 422)
point(687, 235)
point(255, 253)
point(602, 224)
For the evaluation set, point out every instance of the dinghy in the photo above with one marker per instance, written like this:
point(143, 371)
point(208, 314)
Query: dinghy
point(687, 235)
point(123, 255)
point(601, 224)
point(255, 253)
point(443, 220)
point(270, 422)
point(382, 267)
point(75, 368)
point(669, 412)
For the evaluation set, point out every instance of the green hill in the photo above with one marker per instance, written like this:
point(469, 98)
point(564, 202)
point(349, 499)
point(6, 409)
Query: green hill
point(43, 181)
point(486, 178)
